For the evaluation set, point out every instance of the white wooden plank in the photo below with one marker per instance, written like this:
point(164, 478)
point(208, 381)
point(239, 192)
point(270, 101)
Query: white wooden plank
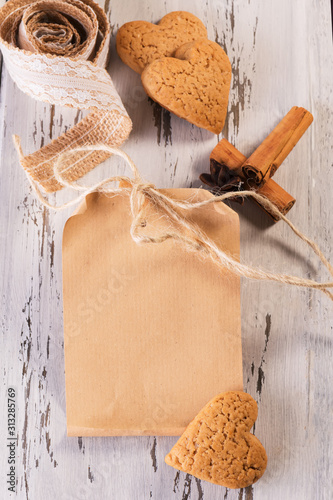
point(281, 56)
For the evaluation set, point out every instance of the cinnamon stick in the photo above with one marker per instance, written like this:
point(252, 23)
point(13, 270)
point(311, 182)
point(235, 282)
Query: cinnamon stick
point(277, 195)
point(226, 154)
point(267, 158)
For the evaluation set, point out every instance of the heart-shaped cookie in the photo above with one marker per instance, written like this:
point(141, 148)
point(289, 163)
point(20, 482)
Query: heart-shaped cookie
point(139, 42)
point(194, 84)
point(217, 445)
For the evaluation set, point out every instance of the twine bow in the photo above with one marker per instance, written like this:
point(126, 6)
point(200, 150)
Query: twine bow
point(190, 236)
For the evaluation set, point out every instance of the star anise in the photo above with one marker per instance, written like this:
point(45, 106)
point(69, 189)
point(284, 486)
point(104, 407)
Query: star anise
point(223, 180)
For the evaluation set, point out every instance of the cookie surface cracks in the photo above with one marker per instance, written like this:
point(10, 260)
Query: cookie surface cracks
point(217, 445)
point(194, 84)
point(139, 43)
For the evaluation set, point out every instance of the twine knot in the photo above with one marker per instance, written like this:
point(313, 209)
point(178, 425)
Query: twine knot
point(190, 236)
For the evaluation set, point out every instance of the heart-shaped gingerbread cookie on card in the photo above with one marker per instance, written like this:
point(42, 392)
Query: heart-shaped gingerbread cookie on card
point(217, 445)
point(139, 42)
point(193, 85)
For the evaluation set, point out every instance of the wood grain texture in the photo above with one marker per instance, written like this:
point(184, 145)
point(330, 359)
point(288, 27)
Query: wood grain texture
point(281, 56)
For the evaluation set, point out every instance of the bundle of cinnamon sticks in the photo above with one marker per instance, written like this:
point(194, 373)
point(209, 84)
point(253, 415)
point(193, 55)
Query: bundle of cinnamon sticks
point(230, 170)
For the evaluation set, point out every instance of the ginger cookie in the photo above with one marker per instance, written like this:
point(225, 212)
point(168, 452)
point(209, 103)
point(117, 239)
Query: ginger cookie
point(193, 85)
point(217, 445)
point(139, 42)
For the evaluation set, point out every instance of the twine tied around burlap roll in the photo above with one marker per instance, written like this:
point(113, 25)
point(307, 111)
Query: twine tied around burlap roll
point(182, 230)
point(56, 51)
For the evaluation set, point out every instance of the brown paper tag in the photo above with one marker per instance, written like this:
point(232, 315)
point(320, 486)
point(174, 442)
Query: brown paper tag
point(152, 332)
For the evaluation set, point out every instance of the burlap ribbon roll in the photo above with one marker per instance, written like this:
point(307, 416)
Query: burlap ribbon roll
point(56, 52)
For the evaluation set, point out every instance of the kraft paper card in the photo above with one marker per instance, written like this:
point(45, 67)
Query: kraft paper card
point(152, 332)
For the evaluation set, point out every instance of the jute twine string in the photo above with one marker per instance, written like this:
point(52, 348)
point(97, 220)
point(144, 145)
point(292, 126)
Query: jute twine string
point(185, 232)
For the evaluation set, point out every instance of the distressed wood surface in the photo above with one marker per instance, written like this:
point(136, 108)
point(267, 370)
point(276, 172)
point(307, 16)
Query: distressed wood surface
point(281, 54)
